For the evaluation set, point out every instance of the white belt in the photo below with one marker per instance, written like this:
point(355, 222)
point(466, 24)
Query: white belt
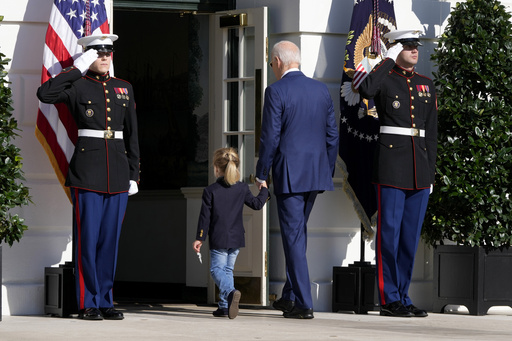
point(102, 134)
point(402, 131)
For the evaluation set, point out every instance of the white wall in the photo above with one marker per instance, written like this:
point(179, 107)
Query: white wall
point(47, 241)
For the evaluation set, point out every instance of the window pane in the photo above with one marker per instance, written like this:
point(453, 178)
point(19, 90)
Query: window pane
point(233, 53)
point(232, 141)
point(248, 158)
point(248, 105)
point(248, 67)
point(232, 106)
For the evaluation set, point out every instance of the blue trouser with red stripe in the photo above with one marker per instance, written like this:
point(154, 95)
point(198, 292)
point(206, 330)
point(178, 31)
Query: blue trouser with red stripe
point(400, 218)
point(97, 220)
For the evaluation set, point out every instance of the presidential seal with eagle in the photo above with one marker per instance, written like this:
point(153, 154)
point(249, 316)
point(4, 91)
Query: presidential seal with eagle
point(369, 49)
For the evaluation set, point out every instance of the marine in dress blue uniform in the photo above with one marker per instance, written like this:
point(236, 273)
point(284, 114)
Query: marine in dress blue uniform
point(103, 170)
point(404, 167)
point(299, 142)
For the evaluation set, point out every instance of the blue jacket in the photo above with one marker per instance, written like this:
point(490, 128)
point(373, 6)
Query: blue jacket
point(221, 216)
point(299, 135)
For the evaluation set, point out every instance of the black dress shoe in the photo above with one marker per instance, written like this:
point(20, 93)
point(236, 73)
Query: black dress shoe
point(297, 313)
point(396, 309)
point(92, 314)
point(284, 305)
point(220, 312)
point(416, 311)
point(233, 300)
point(111, 314)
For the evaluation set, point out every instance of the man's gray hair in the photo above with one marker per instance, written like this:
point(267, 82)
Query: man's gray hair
point(287, 52)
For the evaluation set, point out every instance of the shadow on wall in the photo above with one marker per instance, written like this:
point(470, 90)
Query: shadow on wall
point(432, 16)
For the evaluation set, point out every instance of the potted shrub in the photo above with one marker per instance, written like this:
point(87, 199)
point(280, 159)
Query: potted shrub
point(471, 205)
point(12, 191)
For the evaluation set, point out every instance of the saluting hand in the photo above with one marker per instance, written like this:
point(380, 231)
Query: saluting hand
point(394, 51)
point(83, 62)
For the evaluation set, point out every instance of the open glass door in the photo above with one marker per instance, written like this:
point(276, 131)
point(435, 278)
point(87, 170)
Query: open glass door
point(238, 64)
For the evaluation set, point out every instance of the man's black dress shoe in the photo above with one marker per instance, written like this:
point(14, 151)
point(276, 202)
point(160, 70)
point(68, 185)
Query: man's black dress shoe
point(233, 300)
point(416, 311)
point(284, 305)
point(396, 309)
point(220, 312)
point(297, 313)
point(90, 314)
point(111, 314)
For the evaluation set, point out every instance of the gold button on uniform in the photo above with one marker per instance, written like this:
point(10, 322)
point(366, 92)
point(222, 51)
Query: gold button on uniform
point(104, 84)
point(106, 91)
point(390, 146)
point(412, 97)
point(414, 125)
point(412, 107)
point(109, 119)
point(108, 109)
point(108, 100)
point(89, 102)
point(412, 116)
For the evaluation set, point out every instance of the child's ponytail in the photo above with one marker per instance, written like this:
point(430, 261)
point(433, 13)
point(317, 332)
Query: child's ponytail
point(227, 161)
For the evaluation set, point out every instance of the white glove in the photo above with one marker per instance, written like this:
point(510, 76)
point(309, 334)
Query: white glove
point(83, 62)
point(394, 51)
point(133, 188)
point(431, 189)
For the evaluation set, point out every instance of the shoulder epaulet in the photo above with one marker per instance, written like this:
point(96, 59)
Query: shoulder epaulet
point(69, 68)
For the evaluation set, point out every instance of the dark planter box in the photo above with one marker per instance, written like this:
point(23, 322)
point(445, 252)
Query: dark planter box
point(353, 289)
point(59, 290)
point(469, 276)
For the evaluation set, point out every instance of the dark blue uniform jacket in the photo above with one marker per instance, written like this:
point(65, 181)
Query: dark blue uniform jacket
point(221, 216)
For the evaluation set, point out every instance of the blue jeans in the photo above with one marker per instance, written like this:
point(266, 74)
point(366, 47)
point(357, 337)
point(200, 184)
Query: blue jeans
point(222, 263)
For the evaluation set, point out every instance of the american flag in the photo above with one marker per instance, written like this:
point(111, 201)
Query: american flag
point(359, 125)
point(69, 21)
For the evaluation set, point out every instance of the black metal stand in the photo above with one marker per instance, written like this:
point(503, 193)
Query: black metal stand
point(59, 287)
point(353, 287)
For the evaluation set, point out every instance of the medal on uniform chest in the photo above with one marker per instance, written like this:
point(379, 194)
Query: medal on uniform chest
point(396, 104)
point(121, 93)
point(423, 91)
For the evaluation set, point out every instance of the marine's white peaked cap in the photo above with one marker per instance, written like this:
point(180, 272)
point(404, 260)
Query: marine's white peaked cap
point(406, 37)
point(98, 41)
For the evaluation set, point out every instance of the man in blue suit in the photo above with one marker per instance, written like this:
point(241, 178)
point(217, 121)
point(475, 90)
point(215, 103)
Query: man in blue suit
point(299, 141)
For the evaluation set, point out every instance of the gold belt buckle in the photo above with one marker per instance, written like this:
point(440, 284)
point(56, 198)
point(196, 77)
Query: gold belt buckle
point(415, 132)
point(109, 134)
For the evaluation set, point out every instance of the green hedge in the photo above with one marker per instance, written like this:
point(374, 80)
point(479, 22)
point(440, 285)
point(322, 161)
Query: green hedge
point(472, 204)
